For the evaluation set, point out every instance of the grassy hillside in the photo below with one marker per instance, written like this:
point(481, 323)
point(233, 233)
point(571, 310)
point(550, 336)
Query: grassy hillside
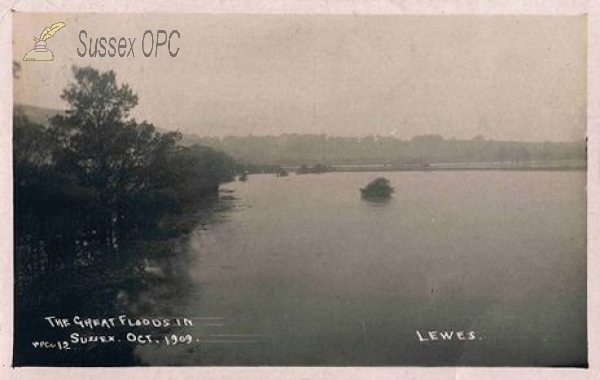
point(38, 115)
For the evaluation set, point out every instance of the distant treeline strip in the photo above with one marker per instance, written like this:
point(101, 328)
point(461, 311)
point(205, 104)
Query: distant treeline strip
point(295, 150)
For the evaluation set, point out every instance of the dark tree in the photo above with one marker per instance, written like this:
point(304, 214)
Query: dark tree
point(116, 158)
point(197, 171)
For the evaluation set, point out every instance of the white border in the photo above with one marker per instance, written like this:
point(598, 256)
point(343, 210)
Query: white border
point(549, 7)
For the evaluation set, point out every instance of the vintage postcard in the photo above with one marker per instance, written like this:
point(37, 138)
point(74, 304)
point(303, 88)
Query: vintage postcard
point(300, 190)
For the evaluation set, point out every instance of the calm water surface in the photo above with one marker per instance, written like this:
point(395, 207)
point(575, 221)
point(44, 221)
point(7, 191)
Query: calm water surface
point(301, 271)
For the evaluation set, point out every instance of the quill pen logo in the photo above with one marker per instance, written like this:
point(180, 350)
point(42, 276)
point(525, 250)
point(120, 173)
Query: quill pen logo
point(41, 52)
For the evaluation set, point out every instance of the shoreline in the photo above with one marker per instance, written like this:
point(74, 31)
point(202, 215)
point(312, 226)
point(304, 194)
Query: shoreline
point(457, 168)
point(562, 166)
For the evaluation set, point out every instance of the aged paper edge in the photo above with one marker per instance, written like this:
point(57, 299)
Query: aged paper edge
point(553, 7)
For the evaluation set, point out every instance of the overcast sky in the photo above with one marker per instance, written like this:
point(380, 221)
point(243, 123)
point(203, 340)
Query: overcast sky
point(503, 77)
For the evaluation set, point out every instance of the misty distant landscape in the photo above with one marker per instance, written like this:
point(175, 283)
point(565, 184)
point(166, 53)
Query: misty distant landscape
point(303, 190)
point(266, 153)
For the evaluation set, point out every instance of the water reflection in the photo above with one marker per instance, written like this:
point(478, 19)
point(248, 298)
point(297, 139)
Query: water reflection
point(303, 263)
point(140, 279)
point(377, 201)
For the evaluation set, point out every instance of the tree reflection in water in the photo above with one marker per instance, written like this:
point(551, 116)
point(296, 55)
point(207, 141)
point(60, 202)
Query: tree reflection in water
point(138, 280)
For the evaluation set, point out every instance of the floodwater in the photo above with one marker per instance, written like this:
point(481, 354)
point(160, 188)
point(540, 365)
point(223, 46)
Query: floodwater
point(301, 271)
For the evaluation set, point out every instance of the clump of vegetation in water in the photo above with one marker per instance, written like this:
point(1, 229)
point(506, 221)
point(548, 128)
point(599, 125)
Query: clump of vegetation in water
point(378, 188)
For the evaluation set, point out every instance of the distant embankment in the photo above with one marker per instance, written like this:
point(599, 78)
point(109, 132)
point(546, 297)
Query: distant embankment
point(530, 166)
point(428, 152)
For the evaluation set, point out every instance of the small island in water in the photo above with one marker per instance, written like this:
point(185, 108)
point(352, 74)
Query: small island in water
point(378, 188)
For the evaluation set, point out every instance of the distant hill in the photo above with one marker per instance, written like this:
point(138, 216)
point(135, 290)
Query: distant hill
point(39, 115)
point(42, 115)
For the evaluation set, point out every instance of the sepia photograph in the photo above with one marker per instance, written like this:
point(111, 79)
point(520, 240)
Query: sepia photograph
point(304, 190)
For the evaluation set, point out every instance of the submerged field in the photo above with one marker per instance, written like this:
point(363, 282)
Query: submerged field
point(300, 271)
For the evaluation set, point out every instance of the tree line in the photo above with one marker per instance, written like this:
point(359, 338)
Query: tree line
point(94, 178)
point(313, 149)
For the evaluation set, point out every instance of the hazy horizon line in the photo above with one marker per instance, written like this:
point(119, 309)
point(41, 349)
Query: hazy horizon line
point(327, 135)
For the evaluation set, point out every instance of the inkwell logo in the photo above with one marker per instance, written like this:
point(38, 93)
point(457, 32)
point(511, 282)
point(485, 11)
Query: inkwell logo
point(41, 52)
